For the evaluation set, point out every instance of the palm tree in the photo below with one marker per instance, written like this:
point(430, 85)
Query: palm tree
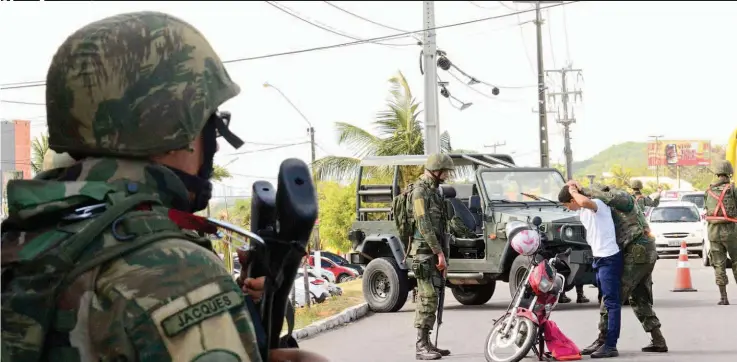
point(39, 146)
point(220, 173)
point(400, 133)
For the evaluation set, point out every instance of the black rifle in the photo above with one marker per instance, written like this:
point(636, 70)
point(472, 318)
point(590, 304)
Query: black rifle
point(441, 288)
point(282, 220)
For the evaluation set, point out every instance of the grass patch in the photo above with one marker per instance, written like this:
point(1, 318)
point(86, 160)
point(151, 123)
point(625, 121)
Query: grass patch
point(352, 296)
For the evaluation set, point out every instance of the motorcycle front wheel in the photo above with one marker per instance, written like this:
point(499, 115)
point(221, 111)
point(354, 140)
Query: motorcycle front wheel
point(520, 339)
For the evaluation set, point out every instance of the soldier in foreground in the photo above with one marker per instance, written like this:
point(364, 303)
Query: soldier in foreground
point(633, 235)
point(428, 259)
point(642, 200)
point(97, 262)
point(721, 214)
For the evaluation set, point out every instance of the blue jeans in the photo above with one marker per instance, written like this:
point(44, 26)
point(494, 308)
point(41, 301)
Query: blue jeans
point(609, 279)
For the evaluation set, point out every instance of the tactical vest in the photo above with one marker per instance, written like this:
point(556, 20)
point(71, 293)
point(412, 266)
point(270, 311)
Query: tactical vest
point(419, 246)
point(721, 206)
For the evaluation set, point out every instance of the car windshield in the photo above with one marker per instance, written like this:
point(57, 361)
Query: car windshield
point(509, 185)
point(697, 200)
point(674, 214)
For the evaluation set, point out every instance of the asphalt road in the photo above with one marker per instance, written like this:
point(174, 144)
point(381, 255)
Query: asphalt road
point(695, 327)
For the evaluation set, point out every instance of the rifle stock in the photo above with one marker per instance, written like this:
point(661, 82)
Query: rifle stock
point(281, 222)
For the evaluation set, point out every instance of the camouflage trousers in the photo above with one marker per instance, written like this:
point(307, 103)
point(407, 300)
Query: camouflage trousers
point(718, 254)
point(428, 276)
point(637, 286)
point(723, 239)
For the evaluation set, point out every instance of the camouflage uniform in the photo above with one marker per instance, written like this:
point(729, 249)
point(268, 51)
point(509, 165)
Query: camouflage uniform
point(642, 200)
point(640, 255)
point(135, 286)
point(458, 228)
point(430, 220)
point(722, 228)
point(56, 160)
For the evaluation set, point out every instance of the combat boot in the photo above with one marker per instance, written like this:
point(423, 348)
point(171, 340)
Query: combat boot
point(434, 348)
point(582, 299)
point(422, 347)
point(596, 345)
point(563, 299)
point(605, 352)
point(657, 343)
point(723, 295)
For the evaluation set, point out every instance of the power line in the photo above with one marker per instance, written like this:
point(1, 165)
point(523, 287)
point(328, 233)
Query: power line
point(482, 7)
point(20, 102)
point(364, 19)
point(268, 149)
point(293, 13)
point(550, 40)
point(333, 46)
point(565, 31)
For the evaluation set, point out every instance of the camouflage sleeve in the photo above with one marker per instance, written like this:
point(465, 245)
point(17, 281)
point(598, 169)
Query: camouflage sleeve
point(652, 202)
point(173, 301)
point(613, 198)
point(423, 214)
point(459, 229)
point(706, 204)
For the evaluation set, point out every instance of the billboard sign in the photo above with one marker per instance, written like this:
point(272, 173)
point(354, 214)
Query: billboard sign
point(679, 153)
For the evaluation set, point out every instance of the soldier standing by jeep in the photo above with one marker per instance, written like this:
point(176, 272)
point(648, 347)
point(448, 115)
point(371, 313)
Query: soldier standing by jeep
point(428, 259)
point(633, 236)
point(721, 214)
point(642, 200)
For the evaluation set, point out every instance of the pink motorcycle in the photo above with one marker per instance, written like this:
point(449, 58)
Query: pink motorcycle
point(525, 324)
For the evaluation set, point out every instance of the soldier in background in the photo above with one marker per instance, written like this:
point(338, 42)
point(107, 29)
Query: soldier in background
point(428, 259)
point(721, 215)
point(644, 201)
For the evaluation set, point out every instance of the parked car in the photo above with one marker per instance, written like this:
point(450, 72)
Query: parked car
point(674, 222)
point(337, 259)
point(342, 274)
point(324, 274)
point(332, 288)
point(318, 288)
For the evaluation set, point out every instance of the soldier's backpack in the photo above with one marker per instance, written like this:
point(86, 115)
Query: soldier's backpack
point(403, 215)
point(33, 326)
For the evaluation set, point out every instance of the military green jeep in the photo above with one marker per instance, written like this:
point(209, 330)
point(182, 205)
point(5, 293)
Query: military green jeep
point(492, 194)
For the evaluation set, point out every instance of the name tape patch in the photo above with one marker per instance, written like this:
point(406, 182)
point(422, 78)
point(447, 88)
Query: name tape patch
point(196, 313)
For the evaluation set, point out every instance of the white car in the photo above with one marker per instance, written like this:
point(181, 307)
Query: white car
point(675, 222)
point(318, 288)
point(324, 273)
point(332, 288)
point(698, 199)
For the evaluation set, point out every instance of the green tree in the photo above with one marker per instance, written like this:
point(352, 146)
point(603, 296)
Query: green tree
point(337, 213)
point(400, 132)
point(39, 146)
point(220, 173)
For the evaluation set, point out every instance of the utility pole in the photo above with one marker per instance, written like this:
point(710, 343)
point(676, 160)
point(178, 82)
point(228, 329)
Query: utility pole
point(566, 121)
point(544, 152)
point(429, 56)
point(495, 145)
point(657, 159)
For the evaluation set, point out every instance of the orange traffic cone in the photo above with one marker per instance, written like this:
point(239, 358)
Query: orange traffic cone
point(683, 272)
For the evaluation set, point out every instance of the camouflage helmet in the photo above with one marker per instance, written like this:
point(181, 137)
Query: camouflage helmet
point(439, 162)
point(636, 185)
point(135, 85)
point(57, 160)
point(724, 168)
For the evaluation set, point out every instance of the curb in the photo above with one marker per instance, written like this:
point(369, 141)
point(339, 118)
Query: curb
point(346, 316)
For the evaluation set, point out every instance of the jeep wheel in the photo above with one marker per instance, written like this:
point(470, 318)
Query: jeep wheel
point(517, 272)
point(385, 286)
point(474, 294)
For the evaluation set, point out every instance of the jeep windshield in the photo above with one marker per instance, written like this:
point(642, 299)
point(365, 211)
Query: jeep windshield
point(509, 185)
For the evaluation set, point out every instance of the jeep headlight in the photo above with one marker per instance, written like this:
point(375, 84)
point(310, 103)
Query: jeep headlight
point(568, 232)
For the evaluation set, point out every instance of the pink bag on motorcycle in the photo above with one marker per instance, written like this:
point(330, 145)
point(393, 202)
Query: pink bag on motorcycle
point(560, 346)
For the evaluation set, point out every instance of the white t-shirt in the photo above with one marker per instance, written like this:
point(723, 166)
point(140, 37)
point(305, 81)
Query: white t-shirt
point(600, 230)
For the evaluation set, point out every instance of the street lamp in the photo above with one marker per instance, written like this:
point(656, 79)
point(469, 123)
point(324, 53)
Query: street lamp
point(657, 159)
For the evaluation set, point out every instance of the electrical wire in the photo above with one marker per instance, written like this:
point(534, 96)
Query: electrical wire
point(268, 149)
point(295, 14)
point(565, 31)
point(364, 19)
point(334, 46)
point(550, 40)
point(24, 103)
point(482, 7)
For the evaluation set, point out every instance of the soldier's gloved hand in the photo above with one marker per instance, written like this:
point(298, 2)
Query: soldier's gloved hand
point(294, 355)
point(254, 287)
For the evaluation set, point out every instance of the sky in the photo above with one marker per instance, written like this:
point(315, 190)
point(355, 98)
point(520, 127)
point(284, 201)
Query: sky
point(647, 68)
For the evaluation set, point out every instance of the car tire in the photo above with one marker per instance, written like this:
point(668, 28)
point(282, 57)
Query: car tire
point(385, 286)
point(517, 272)
point(342, 278)
point(705, 256)
point(474, 294)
